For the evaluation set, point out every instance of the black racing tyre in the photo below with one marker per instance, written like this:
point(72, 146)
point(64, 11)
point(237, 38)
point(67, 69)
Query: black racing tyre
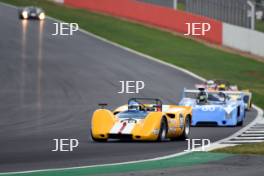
point(250, 106)
point(240, 123)
point(163, 131)
point(186, 130)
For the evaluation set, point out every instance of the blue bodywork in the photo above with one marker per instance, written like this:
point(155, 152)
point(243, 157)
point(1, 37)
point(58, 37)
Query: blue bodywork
point(228, 112)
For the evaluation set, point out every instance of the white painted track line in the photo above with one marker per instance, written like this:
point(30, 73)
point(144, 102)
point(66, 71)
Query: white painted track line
point(243, 142)
point(249, 138)
point(254, 132)
point(249, 135)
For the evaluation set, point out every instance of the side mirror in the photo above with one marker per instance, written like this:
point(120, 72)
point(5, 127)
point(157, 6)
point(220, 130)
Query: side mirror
point(102, 105)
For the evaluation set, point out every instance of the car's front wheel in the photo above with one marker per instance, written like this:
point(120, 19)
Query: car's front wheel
point(240, 123)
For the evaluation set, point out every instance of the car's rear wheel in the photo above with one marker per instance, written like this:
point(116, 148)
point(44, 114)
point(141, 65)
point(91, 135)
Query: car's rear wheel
point(250, 106)
point(163, 131)
point(186, 131)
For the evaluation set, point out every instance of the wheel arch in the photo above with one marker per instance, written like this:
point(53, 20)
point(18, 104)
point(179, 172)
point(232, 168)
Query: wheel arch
point(164, 117)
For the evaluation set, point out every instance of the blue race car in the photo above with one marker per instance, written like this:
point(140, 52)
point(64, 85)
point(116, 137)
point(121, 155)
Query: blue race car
point(225, 108)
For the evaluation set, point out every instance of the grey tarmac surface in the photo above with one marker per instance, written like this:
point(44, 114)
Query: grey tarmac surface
point(50, 86)
point(244, 165)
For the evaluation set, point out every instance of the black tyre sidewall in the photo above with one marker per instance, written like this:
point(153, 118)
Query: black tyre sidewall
point(184, 136)
point(163, 126)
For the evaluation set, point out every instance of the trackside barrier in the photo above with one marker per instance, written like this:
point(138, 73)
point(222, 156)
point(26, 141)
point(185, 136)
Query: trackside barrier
point(243, 39)
point(163, 17)
point(59, 1)
point(221, 33)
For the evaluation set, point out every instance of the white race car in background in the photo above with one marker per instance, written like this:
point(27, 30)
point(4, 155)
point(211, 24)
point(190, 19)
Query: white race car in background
point(31, 13)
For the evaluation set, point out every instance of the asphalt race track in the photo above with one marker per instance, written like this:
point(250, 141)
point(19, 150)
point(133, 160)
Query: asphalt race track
point(50, 85)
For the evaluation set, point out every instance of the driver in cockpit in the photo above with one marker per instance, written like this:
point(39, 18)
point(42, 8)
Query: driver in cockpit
point(202, 97)
point(134, 106)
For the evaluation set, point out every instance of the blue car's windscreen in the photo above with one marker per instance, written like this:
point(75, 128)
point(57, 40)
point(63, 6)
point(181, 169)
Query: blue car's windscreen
point(215, 98)
point(133, 114)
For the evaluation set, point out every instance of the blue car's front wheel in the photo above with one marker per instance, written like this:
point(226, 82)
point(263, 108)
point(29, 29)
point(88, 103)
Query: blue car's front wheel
point(240, 123)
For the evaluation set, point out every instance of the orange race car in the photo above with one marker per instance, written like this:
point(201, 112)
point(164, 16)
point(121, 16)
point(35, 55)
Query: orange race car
point(145, 119)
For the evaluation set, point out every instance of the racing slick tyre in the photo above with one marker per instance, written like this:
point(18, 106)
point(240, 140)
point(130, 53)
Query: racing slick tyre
point(186, 130)
point(96, 139)
point(250, 106)
point(240, 123)
point(163, 131)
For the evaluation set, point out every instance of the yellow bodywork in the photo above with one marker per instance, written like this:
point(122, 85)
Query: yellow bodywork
point(249, 94)
point(146, 129)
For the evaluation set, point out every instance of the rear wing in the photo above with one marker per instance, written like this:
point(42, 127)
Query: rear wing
point(192, 93)
point(197, 86)
point(230, 87)
point(247, 92)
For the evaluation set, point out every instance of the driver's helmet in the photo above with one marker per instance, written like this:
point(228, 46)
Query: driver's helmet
point(202, 97)
point(210, 83)
point(222, 96)
point(222, 87)
point(158, 108)
point(133, 105)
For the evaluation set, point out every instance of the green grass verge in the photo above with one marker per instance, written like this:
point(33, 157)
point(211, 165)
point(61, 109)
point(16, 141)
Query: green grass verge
point(257, 149)
point(184, 160)
point(260, 25)
point(181, 6)
point(205, 61)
